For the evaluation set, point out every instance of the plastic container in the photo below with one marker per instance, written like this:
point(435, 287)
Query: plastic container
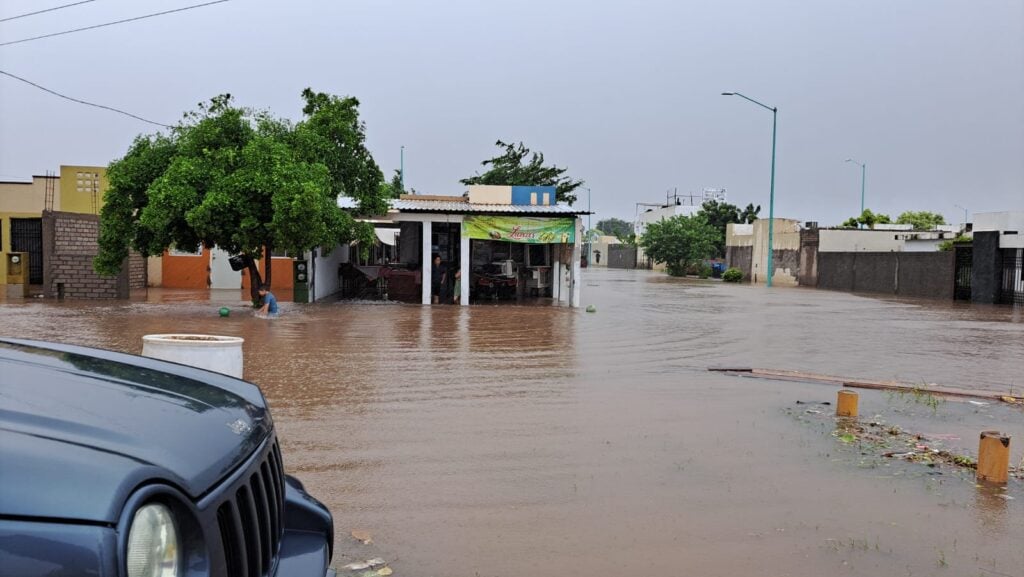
point(211, 352)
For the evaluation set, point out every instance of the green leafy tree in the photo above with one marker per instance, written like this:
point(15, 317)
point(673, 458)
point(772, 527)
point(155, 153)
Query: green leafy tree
point(615, 227)
point(392, 189)
point(948, 245)
point(244, 181)
point(720, 215)
point(749, 214)
point(922, 220)
point(517, 166)
point(867, 218)
point(679, 242)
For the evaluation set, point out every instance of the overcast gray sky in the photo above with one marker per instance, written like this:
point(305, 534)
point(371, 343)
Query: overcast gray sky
point(929, 93)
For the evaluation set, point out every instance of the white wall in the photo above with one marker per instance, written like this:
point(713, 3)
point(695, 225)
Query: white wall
point(1008, 220)
point(656, 214)
point(326, 281)
point(855, 240)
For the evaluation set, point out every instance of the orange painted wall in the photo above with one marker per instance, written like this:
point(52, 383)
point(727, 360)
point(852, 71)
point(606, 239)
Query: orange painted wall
point(282, 283)
point(186, 271)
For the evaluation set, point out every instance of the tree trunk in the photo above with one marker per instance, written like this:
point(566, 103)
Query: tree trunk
point(267, 248)
point(254, 281)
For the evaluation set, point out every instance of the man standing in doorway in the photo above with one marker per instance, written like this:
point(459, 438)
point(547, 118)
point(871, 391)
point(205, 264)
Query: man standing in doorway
point(437, 279)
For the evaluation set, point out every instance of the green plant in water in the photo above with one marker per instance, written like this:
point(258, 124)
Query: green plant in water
point(732, 275)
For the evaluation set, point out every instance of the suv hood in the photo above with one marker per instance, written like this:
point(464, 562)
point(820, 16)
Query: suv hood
point(81, 428)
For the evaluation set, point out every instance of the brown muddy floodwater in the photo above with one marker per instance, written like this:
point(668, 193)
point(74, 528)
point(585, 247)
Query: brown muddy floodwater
point(536, 440)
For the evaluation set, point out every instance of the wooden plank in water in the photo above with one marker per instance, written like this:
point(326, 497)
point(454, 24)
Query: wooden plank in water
point(785, 375)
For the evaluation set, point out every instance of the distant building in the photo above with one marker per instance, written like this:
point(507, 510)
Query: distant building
point(1009, 225)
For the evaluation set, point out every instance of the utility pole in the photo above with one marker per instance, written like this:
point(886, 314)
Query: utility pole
point(401, 169)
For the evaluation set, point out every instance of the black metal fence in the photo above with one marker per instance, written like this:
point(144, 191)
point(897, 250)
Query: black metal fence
point(27, 236)
point(962, 272)
point(1012, 290)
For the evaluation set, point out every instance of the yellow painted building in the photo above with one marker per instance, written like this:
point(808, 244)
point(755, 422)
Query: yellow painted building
point(76, 189)
point(82, 188)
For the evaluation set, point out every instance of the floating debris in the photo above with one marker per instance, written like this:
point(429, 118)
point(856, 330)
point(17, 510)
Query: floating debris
point(362, 536)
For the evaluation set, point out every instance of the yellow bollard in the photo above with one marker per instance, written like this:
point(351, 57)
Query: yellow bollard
point(994, 457)
point(846, 405)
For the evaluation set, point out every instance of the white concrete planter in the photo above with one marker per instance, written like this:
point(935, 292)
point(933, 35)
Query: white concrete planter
point(210, 352)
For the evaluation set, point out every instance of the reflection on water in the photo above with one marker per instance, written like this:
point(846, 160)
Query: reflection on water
point(510, 440)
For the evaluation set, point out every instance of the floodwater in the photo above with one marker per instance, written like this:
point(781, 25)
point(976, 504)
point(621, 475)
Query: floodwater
point(503, 440)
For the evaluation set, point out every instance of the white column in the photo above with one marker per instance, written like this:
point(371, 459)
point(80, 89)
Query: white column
point(428, 264)
point(556, 272)
point(577, 252)
point(466, 268)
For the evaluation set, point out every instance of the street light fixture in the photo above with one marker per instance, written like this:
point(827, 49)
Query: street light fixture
point(966, 218)
point(771, 197)
point(863, 169)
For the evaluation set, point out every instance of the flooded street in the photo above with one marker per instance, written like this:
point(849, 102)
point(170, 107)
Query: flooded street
point(501, 440)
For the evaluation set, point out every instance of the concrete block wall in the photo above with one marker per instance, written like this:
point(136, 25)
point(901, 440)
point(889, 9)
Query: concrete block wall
point(70, 243)
point(138, 274)
point(740, 257)
point(915, 274)
point(807, 272)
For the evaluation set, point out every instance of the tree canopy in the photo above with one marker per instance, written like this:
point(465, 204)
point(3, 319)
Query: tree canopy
point(392, 188)
point(721, 214)
point(244, 181)
point(616, 227)
point(679, 242)
point(517, 166)
point(867, 218)
point(922, 220)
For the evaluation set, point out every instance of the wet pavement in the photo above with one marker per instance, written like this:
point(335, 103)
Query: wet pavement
point(502, 440)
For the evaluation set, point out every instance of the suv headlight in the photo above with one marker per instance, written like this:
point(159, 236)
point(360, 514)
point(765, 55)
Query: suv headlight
point(153, 543)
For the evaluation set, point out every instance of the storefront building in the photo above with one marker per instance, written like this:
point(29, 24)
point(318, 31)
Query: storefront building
point(495, 243)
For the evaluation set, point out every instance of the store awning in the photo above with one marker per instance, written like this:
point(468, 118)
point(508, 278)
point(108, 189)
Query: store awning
point(387, 236)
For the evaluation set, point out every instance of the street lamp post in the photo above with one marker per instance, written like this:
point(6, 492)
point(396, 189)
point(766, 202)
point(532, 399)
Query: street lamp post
point(863, 169)
point(966, 218)
point(590, 240)
point(401, 169)
point(771, 196)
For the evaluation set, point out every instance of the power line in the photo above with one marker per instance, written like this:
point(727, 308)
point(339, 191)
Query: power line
point(43, 88)
point(44, 11)
point(113, 23)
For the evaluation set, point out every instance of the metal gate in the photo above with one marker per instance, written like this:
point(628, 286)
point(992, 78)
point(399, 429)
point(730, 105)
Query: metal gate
point(27, 236)
point(1012, 292)
point(962, 272)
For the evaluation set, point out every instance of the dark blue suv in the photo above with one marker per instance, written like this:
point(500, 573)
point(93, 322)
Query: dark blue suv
point(117, 465)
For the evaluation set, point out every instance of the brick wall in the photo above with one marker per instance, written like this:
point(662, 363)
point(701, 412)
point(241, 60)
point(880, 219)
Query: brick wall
point(69, 247)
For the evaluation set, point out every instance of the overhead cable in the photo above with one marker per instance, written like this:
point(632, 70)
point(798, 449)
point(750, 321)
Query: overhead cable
point(110, 108)
point(113, 23)
point(44, 11)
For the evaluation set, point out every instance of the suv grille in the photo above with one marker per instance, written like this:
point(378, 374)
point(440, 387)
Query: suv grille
point(251, 520)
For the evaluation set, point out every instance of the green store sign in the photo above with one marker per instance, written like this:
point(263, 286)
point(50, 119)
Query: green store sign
point(522, 229)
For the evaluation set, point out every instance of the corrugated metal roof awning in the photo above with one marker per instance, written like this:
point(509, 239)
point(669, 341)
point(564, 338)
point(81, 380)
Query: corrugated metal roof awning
point(452, 207)
point(465, 207)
